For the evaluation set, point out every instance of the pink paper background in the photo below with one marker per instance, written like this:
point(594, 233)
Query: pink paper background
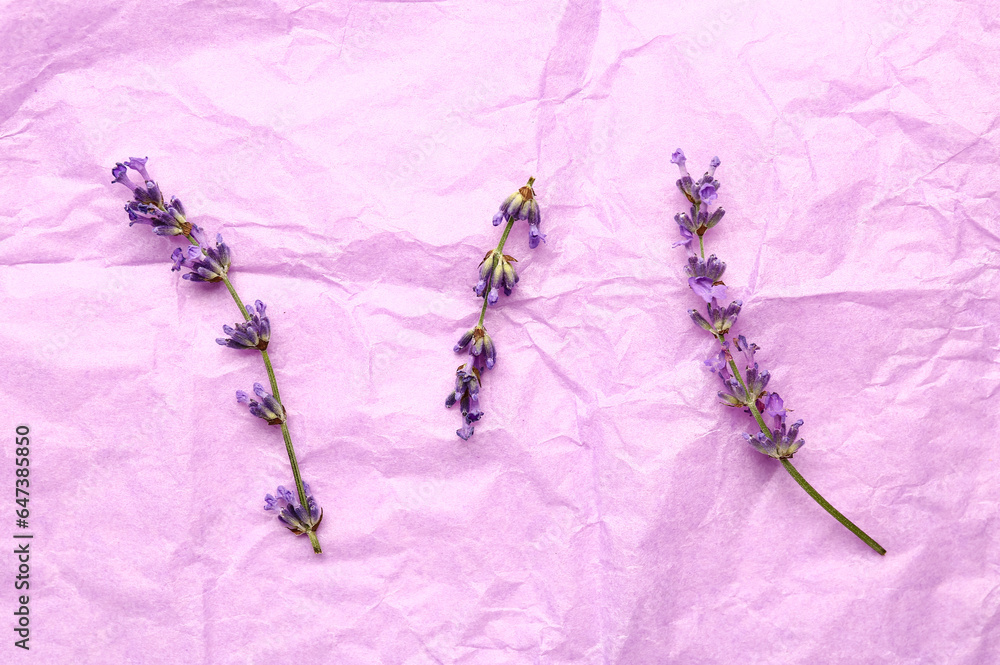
point(606, 511)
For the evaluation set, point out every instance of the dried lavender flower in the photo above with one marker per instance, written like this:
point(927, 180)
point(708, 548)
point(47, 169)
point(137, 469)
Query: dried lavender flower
point(496, 273)
point(522, 205)
point(253, 334)
point(745, 383)
point(291, 513)
point(267, 408)
point(208, 264)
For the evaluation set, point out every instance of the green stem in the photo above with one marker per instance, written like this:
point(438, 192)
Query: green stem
point(701, 238)
point(506, 232)
point(482, 314)
point(270, 375)
point(830, 509)
point(303, 501)
point(236, 297)
point(794, 472)
point(298, 483)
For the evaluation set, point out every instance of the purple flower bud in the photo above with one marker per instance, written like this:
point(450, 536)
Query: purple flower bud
point(152, 194)
point(509, 278)
point(531, 212)
point(485, 272)
point(511, 207)
point(685, 222)
point(680, 160)
point(733, 395)
point(176, 204)
point(712, 165)
point(700, 320)
point(466, 392)
point(684, 184)
point(261, 322)
point(715, 218)
point(490, 351)
point(712, 268)
point(748, 349)
point(756, 381)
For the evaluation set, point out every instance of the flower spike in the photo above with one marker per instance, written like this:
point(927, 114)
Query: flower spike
point(496, 273)
point(744, 382)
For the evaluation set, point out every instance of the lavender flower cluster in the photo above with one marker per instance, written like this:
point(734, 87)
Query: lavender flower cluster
point(211, 264)
point(291, 513)
point(744, 383)
point(496, 272)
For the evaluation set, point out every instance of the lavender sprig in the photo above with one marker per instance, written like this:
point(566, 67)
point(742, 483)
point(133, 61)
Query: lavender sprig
point(496, 273)
point(211, 264)
point(745, 384)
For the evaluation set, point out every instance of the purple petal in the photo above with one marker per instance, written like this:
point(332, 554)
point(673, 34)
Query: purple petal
point(707, 193)
point(177, 256)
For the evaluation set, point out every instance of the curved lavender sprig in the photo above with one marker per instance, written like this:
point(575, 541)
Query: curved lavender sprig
point(496, 273)
point(745, 384)
point(211, 264)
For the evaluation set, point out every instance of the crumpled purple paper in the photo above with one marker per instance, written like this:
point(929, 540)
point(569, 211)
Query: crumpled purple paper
point(607, 509)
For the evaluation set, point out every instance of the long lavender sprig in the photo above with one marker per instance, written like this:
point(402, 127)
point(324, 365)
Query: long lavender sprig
point(744, 388)
point(211, 264)
point(496, 272)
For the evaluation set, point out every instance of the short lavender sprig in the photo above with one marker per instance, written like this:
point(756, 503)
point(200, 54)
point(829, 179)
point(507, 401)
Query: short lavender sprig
point(744, 388)
point(496, 273)
point(211, 264)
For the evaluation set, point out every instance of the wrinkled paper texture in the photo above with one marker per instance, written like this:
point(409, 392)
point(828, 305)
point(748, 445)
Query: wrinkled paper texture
point(607, 509)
